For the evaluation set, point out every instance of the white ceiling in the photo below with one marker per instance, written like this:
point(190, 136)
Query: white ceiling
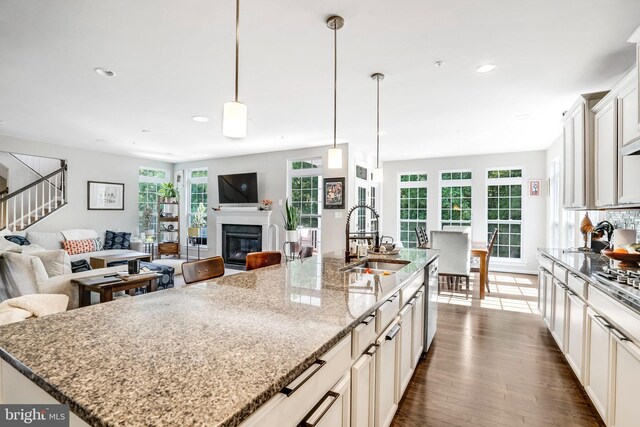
point(174, 60)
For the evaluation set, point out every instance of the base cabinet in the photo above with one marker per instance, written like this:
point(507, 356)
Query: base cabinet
point(387, 375)
point(625, 407)
point(363, 383)
point(405, 357)
point(417, 339)
point(558, 315)
point(333, 409)
point(596, 378)
point(574, 351)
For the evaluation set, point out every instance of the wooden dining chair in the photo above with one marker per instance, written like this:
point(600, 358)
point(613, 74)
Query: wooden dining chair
point(305, 252)
point(262, 259)
point(204, 269)
point(492, 241)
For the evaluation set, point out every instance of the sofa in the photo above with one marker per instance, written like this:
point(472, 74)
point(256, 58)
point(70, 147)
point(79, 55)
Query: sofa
point(35, 263)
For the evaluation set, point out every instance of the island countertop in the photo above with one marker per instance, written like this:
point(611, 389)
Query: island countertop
point(206, 354)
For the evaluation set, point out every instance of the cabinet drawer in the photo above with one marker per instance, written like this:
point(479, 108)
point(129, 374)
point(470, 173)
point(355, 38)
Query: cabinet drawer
point(289, 406)
point(546, 263)
point(577, 285)
point(615, 312)
point(409, 290)
point(363, 336)
point(387, 312)
point(560, 272)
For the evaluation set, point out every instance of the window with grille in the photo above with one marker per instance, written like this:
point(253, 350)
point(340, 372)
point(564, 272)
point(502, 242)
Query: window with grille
point(412, 207)
point(504, 211)
point(149, 182)
point(455, 198)
point(198, 184)
point(305, 190)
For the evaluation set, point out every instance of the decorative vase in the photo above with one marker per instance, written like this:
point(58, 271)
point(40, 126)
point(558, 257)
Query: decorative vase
point(292, 236)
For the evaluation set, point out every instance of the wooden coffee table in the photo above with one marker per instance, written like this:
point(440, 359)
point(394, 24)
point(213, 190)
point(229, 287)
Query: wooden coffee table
point(106, 290)
point(104, 260)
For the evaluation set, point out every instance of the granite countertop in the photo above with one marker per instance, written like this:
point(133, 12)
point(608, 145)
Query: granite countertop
point(586, 265)
point(205, 354)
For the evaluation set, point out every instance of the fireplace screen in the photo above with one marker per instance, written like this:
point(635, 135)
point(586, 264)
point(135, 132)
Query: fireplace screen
point(238, 241)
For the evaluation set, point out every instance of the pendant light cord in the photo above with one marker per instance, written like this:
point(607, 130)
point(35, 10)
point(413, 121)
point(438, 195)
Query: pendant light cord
point(378, 123)
point(335, 83)
point(237, 43)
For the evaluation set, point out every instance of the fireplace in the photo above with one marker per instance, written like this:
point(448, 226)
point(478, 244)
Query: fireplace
point(238, 241)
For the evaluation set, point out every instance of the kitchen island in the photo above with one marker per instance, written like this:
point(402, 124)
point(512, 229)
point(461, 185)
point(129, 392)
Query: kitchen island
point(207, 354)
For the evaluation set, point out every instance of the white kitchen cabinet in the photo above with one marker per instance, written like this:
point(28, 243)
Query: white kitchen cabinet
point(387, 375)
point(567, 179)
point(559, 313)
point(417, 338)
point(406, 346)
point(624, 408)
point(597, 362)
point(627, 101)
point(363, 382)
point(333, 409)
point(575, 319)
point(606, 154)
point(628, 138)
point(548, 298)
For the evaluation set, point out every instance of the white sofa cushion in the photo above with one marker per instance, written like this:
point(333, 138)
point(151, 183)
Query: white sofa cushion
point(55, 263)
point(6, 245)
point(79, 234)
point(49, 241)
point(25, 271)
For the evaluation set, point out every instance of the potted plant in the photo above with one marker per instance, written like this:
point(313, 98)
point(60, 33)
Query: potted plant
point(168, 192)
point(146, 222)
point(291, 222)
point(199, 221)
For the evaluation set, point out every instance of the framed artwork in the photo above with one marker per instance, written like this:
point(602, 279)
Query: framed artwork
point(105, 196)
point(334, 193)
point(535, 187)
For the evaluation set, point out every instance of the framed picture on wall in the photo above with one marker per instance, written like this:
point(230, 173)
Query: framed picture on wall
point(535, 187)
point(334, 193)
point(105, 196)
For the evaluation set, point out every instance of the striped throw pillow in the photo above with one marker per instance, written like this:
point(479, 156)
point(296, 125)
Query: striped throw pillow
point(75, 247)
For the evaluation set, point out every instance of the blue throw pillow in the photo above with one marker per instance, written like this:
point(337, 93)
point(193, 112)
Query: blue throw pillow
point(115, 240)
point(18, 240)
point(80, 265)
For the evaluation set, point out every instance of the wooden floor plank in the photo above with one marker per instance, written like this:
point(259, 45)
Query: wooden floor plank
point(492, 367)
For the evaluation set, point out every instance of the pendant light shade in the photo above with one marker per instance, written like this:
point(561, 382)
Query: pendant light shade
point(335, 153)
point(234, 116)
point(377, 175)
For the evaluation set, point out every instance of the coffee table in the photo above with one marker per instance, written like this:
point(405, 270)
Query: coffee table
point(103, 260)
point(106, 290)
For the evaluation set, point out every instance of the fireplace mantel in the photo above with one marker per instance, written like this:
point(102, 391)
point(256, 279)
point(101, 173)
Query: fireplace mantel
point(242, 217)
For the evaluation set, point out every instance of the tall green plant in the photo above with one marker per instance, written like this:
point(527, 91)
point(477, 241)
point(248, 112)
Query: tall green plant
point(292, 217)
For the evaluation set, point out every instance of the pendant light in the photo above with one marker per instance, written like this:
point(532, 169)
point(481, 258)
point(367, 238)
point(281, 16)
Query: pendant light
point(234, 119)
point(377, 175)
point(335, 153)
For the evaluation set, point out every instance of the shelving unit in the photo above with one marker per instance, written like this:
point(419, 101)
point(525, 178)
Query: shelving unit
point(168, 234)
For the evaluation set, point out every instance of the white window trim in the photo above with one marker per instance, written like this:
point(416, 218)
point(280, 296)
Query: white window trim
point(467, 182)
point(523, 210)
point(409, 184)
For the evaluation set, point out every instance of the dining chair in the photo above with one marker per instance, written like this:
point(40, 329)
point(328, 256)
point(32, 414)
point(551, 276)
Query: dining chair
point(463, 228)
point(305, 252)
point(421, 235)
point(475, 269)
point(455, 251)
point(262, 259)
point(204, 269)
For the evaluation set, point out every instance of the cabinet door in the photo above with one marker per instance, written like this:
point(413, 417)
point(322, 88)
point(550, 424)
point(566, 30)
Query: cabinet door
point(406, 347)
point(596, 375)
point(333, 409)
point(628, 114)
point(559, 309)
point(363, 381)
point(576, 312)
point(417, 338)
point(625, 410)
point(387, 375)
point(548, 297)
point(606, 158)
point(579, 158)
point(567, 136)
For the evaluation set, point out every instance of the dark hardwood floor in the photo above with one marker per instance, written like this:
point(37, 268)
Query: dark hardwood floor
point(490, 367)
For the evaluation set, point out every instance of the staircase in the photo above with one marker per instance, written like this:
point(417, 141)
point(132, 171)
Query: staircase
point(22, 208)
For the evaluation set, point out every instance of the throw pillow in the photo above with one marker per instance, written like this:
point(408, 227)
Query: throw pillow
point(117, 240)
point(18, 240)
point(80, 265)
point(56, 263)
point(25, 272)
point(48, 240)
point(98, 244)
point(74, 247)
point(6, 245)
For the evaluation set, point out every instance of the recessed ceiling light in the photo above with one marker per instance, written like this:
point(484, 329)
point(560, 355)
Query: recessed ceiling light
point(438, 63)
point(201, 119)
point(145, 130)
point(486, 68)
point(133, 143)
point(104, 72)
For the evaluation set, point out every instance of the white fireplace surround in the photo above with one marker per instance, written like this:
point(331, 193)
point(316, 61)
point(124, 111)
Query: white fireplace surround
point(245, 217)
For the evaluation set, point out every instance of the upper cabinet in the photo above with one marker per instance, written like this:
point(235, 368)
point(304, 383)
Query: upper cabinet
point(635, 38)
point(606, 153)
point(578, 131)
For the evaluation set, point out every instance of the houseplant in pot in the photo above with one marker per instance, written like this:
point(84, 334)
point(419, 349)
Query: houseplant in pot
point(199, 221)
point(168, 192)
point(291, 222)
point(146, 223)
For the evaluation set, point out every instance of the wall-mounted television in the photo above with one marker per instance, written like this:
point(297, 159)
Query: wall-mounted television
point(238, 188)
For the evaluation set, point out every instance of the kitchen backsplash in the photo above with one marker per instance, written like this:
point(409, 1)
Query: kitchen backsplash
point(625, 219)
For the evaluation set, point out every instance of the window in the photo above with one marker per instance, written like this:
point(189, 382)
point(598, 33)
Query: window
point(504, 211)
point(455, 198)
point(305, 183)
point(149, 182)
point(413, 207)
point(197, 184)
point(373, 204)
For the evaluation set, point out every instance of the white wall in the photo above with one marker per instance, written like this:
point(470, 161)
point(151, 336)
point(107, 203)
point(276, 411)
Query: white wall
point(18, 175)
point(533, 164)
point(87, 165)
point(272, 184)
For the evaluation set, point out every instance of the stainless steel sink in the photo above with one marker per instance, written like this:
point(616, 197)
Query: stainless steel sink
point(377, 267)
